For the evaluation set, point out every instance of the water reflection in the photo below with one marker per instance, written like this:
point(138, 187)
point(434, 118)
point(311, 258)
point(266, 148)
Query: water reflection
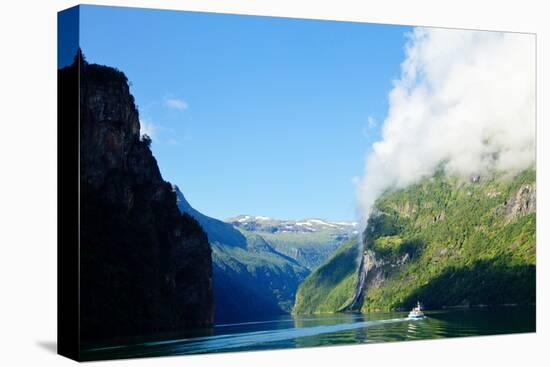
point(319, 330)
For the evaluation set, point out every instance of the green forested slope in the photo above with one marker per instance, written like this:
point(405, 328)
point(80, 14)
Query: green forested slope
point(445, 241)
point(330, 287)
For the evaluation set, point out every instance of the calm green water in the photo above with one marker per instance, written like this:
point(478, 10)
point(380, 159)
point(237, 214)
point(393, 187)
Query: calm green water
point(312, 331)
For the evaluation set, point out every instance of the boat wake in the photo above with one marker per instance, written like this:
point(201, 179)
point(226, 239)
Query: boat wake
point(228, 342)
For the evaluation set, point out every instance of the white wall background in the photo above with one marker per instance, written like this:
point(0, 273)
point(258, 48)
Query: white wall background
point(28, 183)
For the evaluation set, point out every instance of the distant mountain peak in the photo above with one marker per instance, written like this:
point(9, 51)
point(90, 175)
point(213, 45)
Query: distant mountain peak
point(259, 223)
point(246, 218)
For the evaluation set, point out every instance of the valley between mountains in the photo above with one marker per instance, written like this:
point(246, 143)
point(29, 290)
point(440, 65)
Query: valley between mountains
point(446, 240)
point(259, 262)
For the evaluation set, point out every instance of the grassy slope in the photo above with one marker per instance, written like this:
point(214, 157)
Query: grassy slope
point(330, 287)
point(465, 248)
point(309, 249)
point(461, 244)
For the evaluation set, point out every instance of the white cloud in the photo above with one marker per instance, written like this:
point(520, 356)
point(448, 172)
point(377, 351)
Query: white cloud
point(176, 103)
point(466, 98)
point(147, 127)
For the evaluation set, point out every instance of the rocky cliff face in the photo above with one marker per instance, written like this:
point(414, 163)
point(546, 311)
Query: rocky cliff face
point(522, 202)
point(370, 275)
point(145, 268)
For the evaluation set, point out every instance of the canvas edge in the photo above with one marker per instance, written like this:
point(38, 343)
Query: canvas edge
point(68, 190)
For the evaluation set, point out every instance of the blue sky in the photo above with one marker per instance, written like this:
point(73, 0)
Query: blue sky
point(253, 115)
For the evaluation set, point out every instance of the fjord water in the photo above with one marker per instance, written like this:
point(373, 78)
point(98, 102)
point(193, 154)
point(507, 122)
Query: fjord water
point(334, 329)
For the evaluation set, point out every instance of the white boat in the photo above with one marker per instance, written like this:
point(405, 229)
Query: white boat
point(416, 312)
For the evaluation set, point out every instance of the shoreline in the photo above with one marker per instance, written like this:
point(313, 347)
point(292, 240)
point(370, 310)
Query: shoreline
point(442, 308)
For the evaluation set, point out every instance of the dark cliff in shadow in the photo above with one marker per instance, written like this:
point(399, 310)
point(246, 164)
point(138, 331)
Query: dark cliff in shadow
point(144, 268)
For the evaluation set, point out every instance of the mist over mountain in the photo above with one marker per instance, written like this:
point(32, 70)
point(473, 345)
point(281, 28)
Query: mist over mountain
point(465, 101)
point(447, 199)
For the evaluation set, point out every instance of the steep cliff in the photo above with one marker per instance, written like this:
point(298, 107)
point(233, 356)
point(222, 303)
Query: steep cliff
point(144, 268)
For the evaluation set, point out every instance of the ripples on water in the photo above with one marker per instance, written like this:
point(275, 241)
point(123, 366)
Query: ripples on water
point(311, 331)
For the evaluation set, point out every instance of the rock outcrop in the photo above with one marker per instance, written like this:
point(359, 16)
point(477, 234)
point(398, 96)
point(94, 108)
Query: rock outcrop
point(523, 202)
point(145, 268)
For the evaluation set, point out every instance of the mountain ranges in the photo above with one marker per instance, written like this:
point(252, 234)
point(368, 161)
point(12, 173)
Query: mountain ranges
point(258, 262)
